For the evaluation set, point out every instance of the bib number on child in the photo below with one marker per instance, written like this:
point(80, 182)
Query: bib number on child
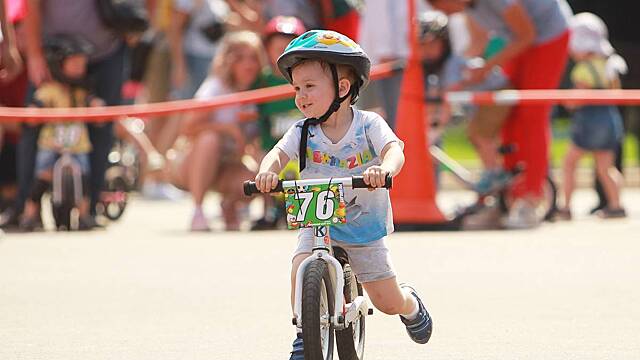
point(315, 205)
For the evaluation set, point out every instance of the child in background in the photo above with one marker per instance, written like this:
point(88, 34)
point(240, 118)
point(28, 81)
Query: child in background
point(276, 117)
point(67, 57)
point(210, 158)
point(327, 70)
point(444, 71)
point(595, 129)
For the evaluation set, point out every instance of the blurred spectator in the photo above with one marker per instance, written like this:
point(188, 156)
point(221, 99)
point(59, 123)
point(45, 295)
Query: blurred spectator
point(443, 71)
point(534, 58)
point(162, 131)
point(195, 30)
point(595, 129)
point(384, 37)
point(13, 87)
point(276, 117)
point(211, 158)
point(339, 15)
point(67, 57)
point(105, 71)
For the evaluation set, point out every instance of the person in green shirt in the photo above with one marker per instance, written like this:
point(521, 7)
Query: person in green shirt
point(275, 118)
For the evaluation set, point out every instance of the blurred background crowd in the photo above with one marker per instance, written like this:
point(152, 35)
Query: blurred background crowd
point(77, 53)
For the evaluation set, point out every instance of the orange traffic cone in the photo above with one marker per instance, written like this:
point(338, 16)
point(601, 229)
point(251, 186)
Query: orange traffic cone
point(414, 190)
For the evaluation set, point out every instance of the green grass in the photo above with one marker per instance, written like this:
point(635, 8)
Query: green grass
point(457, 146)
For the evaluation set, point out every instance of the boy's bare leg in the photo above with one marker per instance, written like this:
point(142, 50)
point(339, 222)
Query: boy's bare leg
point(568, 173)
point(609, 176)
point(487, 151)
point(387, 297)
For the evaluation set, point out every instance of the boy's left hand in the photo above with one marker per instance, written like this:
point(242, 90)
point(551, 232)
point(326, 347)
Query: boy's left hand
point(375, 176)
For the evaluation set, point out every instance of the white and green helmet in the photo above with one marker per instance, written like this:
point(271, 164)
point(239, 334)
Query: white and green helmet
point(330, 46)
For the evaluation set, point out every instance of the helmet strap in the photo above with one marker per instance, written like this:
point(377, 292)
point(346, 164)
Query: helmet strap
point(335, 105)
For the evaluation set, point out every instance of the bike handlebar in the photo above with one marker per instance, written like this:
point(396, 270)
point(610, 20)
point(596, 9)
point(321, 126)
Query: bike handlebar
point(354, 182)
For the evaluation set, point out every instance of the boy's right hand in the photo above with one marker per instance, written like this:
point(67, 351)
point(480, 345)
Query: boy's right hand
point(266, 181)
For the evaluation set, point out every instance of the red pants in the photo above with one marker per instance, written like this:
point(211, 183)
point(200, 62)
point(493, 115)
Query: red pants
point(528, 127)
point(347, 24)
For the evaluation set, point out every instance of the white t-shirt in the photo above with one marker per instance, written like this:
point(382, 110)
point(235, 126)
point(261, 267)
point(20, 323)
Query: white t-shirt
point(201, 14)
point(369, 216)
point(212, 87)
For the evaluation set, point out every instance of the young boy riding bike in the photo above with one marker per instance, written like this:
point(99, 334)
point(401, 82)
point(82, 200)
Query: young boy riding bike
point(327, 70)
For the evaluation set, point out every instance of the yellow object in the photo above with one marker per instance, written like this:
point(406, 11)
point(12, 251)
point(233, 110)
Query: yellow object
point(591, 73)
point(71, 136)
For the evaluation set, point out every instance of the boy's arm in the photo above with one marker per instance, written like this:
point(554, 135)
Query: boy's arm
point(392, 158)
point(270, 167)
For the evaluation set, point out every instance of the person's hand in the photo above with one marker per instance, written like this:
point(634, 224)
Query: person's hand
point(10, 64)
point(375, 176)
point(266, 181)
point(38, 70)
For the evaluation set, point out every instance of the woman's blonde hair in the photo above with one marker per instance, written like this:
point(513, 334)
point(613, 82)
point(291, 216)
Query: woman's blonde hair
point(226, 54)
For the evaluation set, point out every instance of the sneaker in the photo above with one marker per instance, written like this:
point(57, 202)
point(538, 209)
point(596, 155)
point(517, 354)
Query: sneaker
point(199, 222)
point(298, 349)
point(31, 224)
point(490, 181)
point(419, 329)
point(608, 213)
point(522, 215)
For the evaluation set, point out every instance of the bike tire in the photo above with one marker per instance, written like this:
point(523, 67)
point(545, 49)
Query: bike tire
point(350, 341)
point(550, 201)
point(317, 309)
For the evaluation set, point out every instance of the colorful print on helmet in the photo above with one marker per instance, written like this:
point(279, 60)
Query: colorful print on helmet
point(329, 46)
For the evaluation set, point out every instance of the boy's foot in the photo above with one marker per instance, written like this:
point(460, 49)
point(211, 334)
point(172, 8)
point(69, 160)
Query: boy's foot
point(298, 349)
point(491, 180)
point(608, 213)
point(419, 328)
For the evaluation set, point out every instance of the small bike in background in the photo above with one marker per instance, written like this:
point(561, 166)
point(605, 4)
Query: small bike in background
point(328, 297)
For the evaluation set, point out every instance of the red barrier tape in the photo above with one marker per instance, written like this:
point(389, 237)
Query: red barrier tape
point(539, 97)
point(108, 113)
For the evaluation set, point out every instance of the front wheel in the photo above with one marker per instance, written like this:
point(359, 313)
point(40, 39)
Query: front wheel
point(350, 341)
point(317, 309)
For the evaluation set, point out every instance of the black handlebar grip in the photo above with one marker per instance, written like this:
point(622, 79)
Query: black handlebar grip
point(250, 188)
point(357, 182)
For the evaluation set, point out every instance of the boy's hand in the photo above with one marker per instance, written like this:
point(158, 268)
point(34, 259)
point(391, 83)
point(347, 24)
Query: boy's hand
point(266, 181)
point(375, 176)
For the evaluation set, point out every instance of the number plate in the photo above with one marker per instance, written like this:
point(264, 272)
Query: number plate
point(315, 205)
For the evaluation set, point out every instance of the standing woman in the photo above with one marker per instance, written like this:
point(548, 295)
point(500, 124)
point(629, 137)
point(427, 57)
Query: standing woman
point(535, 57)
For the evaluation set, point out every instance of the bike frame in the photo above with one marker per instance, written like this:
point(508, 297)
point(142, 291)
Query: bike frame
point(342, 315)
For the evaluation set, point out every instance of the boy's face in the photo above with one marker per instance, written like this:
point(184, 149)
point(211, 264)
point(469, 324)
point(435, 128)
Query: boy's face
point(275, 47)
point(314, 88)
point(75, 66)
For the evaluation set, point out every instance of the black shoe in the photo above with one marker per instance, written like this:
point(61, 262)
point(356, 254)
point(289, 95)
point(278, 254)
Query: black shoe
point(419, 329)
point(298, 349)
point(598, 207)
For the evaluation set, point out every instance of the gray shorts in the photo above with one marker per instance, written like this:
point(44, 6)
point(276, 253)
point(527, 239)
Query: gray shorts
point(370, 262)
